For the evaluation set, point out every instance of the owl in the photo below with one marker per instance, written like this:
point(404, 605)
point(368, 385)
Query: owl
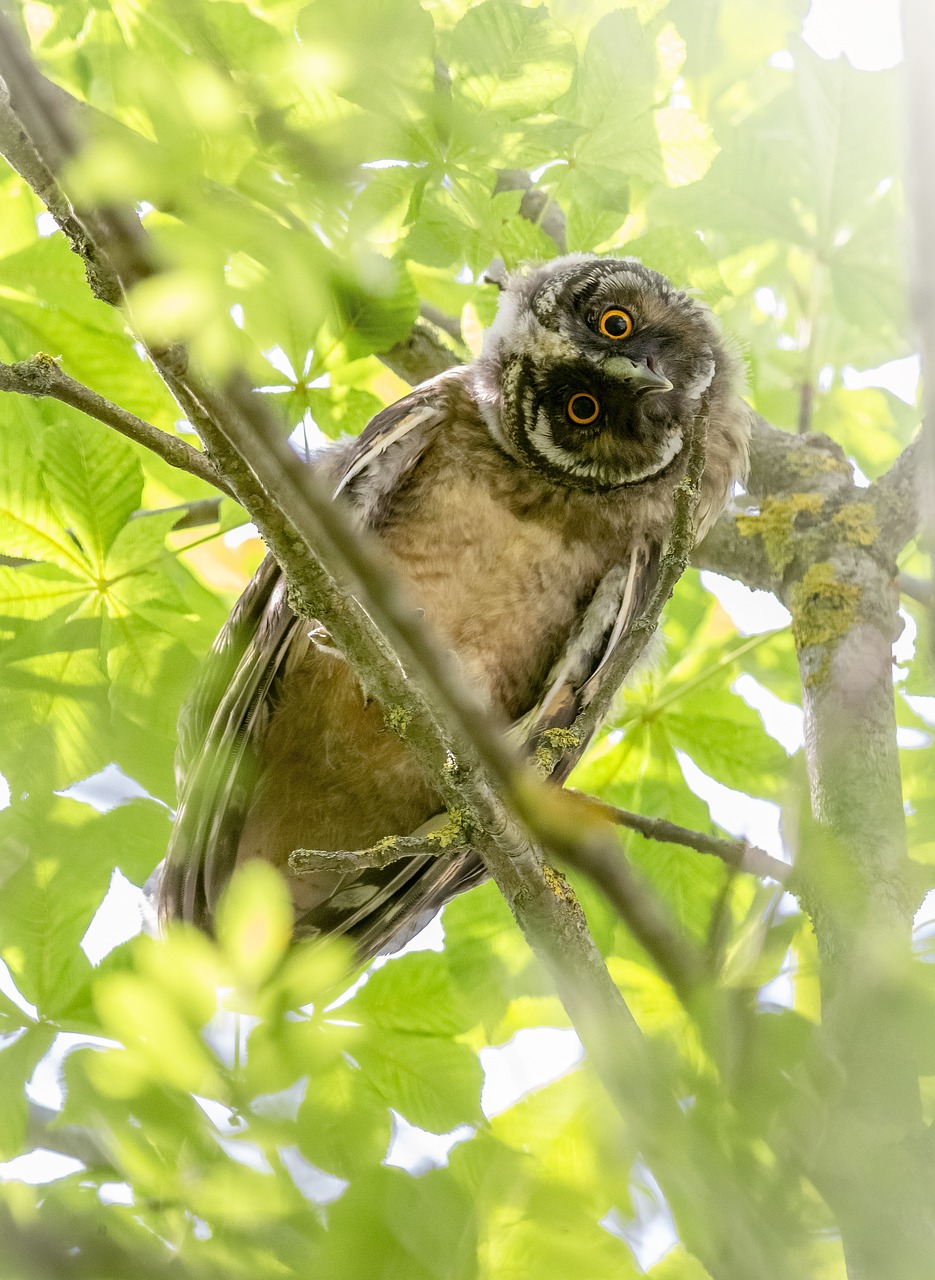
point(524, 502)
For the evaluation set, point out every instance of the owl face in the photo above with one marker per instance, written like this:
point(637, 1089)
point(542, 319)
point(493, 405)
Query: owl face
point(593, 369)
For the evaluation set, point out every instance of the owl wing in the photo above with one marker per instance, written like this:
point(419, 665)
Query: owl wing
point(577, 676)
point(222, 726)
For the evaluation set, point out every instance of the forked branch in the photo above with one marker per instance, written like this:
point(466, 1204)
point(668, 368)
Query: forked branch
point(41, 376)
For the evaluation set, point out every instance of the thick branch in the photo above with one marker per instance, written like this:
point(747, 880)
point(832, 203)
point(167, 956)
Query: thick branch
point(727, 551)
point(421, 356)
point(448, 324)
point(41, 376)
point(919, 26)
point(900, 496)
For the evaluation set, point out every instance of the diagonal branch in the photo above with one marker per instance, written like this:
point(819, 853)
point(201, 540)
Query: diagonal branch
point(41, 376)
point(901, 496)
point(738, 854)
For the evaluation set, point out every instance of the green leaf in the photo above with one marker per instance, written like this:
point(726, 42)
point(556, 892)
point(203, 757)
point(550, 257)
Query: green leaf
point(678, 1264)
point(726, 739)
point(375, 308)
point(434, 1082)
point(19, 1056)
point(509, 58)
point(29, 526)
point(413, 993)
point(161, 1046)
point(95, 481)
point(616, 107)
point(849, 121)
point(375, 52)
point(53, 696)
point(682, 256)
point(36, 591)
point(48, 307)
point(343, 410)
point(389, 1224)
point(53, 884)
point(344, 1124)
point(255, 921)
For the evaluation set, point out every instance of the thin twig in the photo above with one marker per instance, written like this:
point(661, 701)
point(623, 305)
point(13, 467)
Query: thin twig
point(194, 515)
point(921, 590)
point(587, 847)
point(736, 853)
point(306, 862)
point(448, 833)
point(41, 376)
point(806, 406)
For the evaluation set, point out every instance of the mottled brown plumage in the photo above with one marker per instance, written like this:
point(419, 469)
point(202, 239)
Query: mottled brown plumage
point(505, 518)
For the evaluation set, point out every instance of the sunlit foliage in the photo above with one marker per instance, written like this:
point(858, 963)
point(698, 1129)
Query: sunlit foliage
point(313, 175)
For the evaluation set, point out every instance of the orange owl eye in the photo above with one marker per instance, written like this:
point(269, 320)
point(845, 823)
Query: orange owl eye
point(616, 323)
point(583, 408)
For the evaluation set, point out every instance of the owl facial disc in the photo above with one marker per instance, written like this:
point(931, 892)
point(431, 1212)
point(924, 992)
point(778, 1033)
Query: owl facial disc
point(608, 332)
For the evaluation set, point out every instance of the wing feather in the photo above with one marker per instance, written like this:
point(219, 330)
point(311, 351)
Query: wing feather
point(575, 679)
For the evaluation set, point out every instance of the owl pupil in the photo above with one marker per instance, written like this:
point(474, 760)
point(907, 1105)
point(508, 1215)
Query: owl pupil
point(583, 409)
point(616, 326)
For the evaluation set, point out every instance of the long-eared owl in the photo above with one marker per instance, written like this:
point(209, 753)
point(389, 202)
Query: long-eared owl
point(524, 501)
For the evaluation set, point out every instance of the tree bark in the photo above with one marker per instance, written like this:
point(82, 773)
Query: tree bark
point(853, 869)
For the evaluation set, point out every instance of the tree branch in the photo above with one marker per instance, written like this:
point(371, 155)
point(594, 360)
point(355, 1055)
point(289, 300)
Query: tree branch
point(725, 550)
point(421, 356)
point(29, 111)
point(918, 589)
point(449, 833)
point(448, 324)
point(900, 496)
point(738, 854)
point(41, 376)
point(919, 27)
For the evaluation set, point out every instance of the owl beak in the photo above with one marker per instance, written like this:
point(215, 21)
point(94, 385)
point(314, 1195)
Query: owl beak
point(637, 373)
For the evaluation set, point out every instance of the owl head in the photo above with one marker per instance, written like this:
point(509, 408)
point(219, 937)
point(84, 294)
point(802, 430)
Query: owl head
point(594, 368)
